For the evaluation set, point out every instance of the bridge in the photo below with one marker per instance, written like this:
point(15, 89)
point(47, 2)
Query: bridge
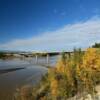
point(37, 55)
point(46, 55)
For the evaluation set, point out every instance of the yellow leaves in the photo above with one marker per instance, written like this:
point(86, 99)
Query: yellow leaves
point(91, 59)
point(54, 87)
point(90, 66)
point(60, 66)
point(70, 75)
point(90, 55)
point(78, 70)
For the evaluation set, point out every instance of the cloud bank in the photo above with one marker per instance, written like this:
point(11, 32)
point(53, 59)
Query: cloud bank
point(81, 34)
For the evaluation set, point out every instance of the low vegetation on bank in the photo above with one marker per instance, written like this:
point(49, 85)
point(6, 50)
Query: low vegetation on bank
point(4, 55)
point(74, 75)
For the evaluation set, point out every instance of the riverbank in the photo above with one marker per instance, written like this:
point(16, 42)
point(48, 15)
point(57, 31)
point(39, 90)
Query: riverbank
point(70, 78)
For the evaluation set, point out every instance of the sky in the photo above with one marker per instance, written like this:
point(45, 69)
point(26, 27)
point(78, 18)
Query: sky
point(49, 25)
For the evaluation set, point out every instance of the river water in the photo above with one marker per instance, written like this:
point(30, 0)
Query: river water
point(31, 74)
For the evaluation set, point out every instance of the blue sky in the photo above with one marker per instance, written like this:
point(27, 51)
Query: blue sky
point(48, 25)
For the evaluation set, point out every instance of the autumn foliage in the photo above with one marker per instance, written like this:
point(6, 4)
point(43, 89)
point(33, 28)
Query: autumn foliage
point(73, 74)
point(76, 74)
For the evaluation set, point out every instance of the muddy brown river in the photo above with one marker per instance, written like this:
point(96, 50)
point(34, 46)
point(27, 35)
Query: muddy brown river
point(24, 72)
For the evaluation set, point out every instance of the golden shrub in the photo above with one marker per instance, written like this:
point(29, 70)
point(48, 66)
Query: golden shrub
point(90, 66)
point(91, 59)
point(54, 87)
point(81, 77)
point(60, 67)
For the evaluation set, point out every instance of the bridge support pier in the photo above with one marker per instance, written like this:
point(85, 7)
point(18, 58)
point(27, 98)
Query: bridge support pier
point(36, 59)
point(47, 58)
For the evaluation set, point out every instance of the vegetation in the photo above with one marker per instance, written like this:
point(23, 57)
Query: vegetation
point(2, 55)
point(72, 75)
point(96, 45)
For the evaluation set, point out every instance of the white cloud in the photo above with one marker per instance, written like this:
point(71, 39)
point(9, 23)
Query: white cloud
point(81, 34)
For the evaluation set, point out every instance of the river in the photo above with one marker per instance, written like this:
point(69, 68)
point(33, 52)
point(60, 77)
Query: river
point(29, 74)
